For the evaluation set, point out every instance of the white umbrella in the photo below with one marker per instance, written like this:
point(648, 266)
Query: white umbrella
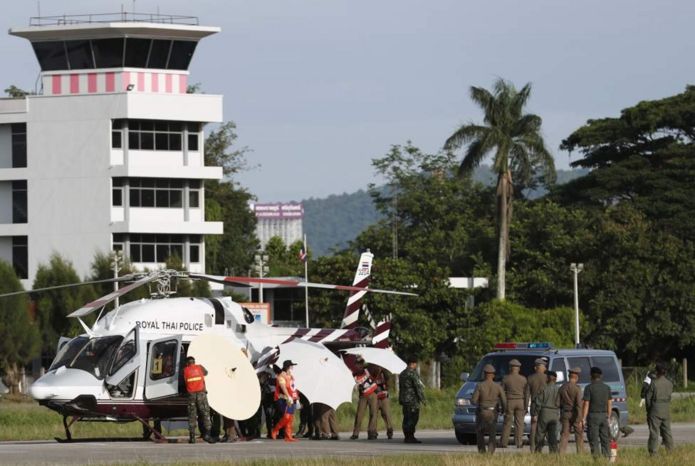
point(381, 357)
point(319, 374)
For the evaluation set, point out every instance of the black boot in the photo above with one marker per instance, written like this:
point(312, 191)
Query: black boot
point(389, 434)
point(191, 437)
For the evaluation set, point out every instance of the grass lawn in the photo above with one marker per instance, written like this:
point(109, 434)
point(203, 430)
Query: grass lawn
point(633, 457)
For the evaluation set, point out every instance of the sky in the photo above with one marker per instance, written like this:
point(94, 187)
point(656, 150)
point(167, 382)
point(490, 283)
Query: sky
point(318, 88)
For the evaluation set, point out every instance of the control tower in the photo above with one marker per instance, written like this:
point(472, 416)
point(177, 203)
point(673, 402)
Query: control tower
point(108, 155)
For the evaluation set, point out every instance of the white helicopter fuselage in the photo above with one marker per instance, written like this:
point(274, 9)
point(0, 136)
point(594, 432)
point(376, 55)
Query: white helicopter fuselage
point(129, 364)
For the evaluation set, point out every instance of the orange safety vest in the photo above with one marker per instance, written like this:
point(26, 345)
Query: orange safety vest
point(289, 384)
point(365, 384)
point(194, 376)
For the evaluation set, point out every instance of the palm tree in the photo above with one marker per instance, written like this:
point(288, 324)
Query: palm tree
point(518, 148)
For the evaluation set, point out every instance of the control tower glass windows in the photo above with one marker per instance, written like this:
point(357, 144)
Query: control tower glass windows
point(51, 55)
point(156, 192)
point(116, 52)
point(108, 53)
point(19, 145)
point(152, 135)
point(79, 54)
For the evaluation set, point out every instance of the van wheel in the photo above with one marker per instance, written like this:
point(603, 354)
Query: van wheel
point(465, 439)
point(614, 425)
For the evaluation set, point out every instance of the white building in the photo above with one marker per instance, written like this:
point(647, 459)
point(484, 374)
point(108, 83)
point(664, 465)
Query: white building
point(109, 154)
point(285, 220)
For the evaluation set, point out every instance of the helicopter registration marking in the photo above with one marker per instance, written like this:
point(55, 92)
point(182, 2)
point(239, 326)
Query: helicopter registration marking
point(167, 325)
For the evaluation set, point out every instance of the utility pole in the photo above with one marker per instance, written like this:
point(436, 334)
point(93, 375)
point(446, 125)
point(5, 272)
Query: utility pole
point(305, 259)
point(261, 269)
point(576, 269)
point(117, 263)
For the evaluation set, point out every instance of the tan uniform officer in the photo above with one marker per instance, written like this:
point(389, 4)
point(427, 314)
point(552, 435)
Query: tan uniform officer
point(514, 385)
point(487, 396)
point(536, 383)
point(571, 411)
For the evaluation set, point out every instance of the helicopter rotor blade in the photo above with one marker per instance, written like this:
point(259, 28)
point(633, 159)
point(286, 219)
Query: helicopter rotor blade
point(124, 278)
point(248, 281)
point(104, 300)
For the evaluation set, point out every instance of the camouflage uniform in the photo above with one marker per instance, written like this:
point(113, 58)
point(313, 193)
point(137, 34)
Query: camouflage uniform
point(198, 406)
point(411, 395)
point(536, 382)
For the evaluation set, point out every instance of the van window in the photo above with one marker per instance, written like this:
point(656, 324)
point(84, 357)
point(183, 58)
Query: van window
point(558, 365)
point(501, 364)
point(584, 364)
point(609, 367)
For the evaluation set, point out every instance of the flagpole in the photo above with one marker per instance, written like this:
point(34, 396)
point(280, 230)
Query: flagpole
point(306, 279)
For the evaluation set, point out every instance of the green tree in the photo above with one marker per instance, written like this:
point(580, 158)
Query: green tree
point(19, 335)
point(225, 202)
point(644, 157)
point(53, 307)
point(16, 93)
point(519, 148)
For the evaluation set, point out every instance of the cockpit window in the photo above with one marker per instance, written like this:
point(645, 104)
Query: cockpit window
point(68, 352)
point(124, 354)
point(97, 355)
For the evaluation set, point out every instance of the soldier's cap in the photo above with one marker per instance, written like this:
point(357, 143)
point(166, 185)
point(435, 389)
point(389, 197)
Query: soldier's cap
point(576, 370)
point(489, 369)
point(540, 362)
point(287, 364)
point(551, 374)
point(596, 371)
point(514, 363)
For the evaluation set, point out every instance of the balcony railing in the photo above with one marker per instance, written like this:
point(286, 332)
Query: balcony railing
point(122, 17)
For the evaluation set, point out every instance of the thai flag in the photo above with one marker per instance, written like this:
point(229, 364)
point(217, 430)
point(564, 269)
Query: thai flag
point(302, 255)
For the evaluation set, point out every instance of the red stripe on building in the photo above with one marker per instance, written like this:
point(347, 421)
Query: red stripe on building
point(167, 83)
point(155, 82)
point(110, 82)
point(92, 83)
point(126, 80)
point(183, 83)
point(57, 85)
point(74, 84)
point(141, 82)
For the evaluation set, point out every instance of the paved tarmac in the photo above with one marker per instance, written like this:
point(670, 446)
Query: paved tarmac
point(434, 442)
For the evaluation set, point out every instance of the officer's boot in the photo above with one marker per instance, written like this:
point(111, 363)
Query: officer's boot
point(389, 434)
point(209, 438)
point(191, 437)
point(288, 428)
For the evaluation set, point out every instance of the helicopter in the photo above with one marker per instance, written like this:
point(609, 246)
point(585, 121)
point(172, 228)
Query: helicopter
point(128, 365)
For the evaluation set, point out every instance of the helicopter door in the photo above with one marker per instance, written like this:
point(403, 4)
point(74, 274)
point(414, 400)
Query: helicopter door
point(163, 362)
point(121, 378)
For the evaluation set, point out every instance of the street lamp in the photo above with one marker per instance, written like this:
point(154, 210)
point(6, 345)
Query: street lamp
point(261, 269)
point(576, 269)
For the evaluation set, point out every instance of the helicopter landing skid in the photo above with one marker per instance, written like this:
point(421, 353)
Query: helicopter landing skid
point(148, 432)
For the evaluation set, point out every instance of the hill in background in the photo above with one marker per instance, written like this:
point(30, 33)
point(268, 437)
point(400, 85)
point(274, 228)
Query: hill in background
point(331, 222)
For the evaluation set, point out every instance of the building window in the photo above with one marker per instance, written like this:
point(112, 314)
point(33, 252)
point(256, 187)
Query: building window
point(194, 198)
point(19, 145)
point(19, 201)
point(193, 142)
point(194, 253)
point(154, 135)
point(20, 256)
point(157, 248)
point(155, 192)
point(117, 192)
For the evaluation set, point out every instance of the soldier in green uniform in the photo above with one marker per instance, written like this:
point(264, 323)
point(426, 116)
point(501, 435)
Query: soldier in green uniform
point(596, 412)
point(658, 400)
point(487, 396)
point(547, 412)
point(411, 395)
point(514, 385)
point(571, 411)
point(536, 382)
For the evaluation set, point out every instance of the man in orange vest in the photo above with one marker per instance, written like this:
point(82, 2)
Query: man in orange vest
point(367, 389)
point(286, 396)
point(194, 376)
